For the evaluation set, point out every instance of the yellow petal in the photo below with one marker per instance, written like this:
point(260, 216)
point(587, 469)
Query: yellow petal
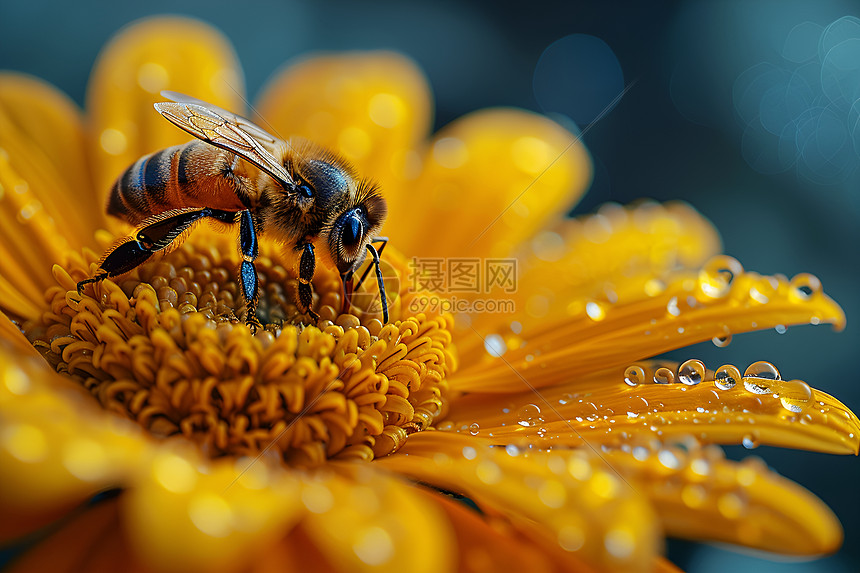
point(43, 124)
point(721, 300)
point(369, 521)
point(700, 495)
point(616, 254)
point(603, 409)
point(490, 180)
point(187, 514)
point(580, 502)
point(372, 107)
point(42, 212)
point(12, 335)
point(162, 53)
point(57, 447)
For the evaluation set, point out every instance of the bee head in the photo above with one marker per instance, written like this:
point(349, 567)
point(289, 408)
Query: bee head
point(356, 226)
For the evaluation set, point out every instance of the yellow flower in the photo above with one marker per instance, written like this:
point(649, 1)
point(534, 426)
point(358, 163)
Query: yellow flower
point(346, 444)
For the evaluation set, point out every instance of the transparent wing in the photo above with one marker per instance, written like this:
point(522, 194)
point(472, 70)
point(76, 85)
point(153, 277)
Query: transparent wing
point(227, 130)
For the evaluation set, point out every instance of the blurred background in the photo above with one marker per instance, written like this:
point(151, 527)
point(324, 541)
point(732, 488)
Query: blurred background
point(744, 108)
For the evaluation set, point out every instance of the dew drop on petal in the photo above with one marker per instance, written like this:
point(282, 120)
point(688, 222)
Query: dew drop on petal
point(495, 345)
point(528, 416)
point(717, 275)
point(664, 376)
point(672, 306)
point(762, 369)
point(795, 395)
point(722, 341)
point(634, 375)
point(691, 372)
point(805, 286)
point(474, 428)
point(619, 543)
point(669, 459)
point(727, 377)
point(750, 442)
point(470, 453)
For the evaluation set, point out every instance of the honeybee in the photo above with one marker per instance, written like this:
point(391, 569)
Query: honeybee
point(237, 173)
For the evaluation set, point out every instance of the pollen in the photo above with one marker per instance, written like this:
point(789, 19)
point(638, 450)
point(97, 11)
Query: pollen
point(166, 346)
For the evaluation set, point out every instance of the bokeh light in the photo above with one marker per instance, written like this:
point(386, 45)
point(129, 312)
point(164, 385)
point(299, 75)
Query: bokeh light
point(578, 76)
point(802, 112)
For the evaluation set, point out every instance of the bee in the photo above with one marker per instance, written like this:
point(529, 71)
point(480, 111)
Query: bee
point(236, 173)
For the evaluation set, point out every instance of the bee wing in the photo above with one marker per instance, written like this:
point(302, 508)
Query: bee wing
point(246, 124)
point(226, 130)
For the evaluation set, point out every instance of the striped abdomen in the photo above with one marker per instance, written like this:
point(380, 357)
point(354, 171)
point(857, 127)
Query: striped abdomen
point(191, 175)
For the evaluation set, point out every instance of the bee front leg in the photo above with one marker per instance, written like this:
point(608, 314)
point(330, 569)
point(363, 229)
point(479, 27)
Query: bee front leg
point(307, 266)
point(248, 272)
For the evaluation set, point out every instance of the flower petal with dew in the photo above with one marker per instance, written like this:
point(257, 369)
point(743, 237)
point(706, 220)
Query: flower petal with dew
point(665, 400)
point(558, 490)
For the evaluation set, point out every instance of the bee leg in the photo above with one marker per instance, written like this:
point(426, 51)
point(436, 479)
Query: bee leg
point(380, 283)
point(307, 266)
point(248, 272)
point(384, 241)
point(156, 234)
point(119, 260)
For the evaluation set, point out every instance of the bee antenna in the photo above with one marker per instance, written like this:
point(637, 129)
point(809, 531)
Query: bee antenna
point(379, 282)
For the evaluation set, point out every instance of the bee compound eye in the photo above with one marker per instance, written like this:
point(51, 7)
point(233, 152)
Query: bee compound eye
point(351, 232)
point(305, 190)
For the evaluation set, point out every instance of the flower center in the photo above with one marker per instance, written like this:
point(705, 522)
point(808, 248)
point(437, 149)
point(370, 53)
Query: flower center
point(164, 346)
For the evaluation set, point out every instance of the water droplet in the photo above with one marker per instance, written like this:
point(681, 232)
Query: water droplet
point(691, 372)
point(634, 375)
point(722, 341)
point(762, 369)
point(727, 377)
point(750, 442)
point(804, 286)
point(641, 453)
point(795, 395)
point(780, 329)
point(619, 543)
point(672, 306)
point(470, 453)
point(718, 274)
point(512, 450)
point(669, 459)
point(495, 345)
point(664, 376)
point(595, 311)
point(528, 416)
point(474, 428)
